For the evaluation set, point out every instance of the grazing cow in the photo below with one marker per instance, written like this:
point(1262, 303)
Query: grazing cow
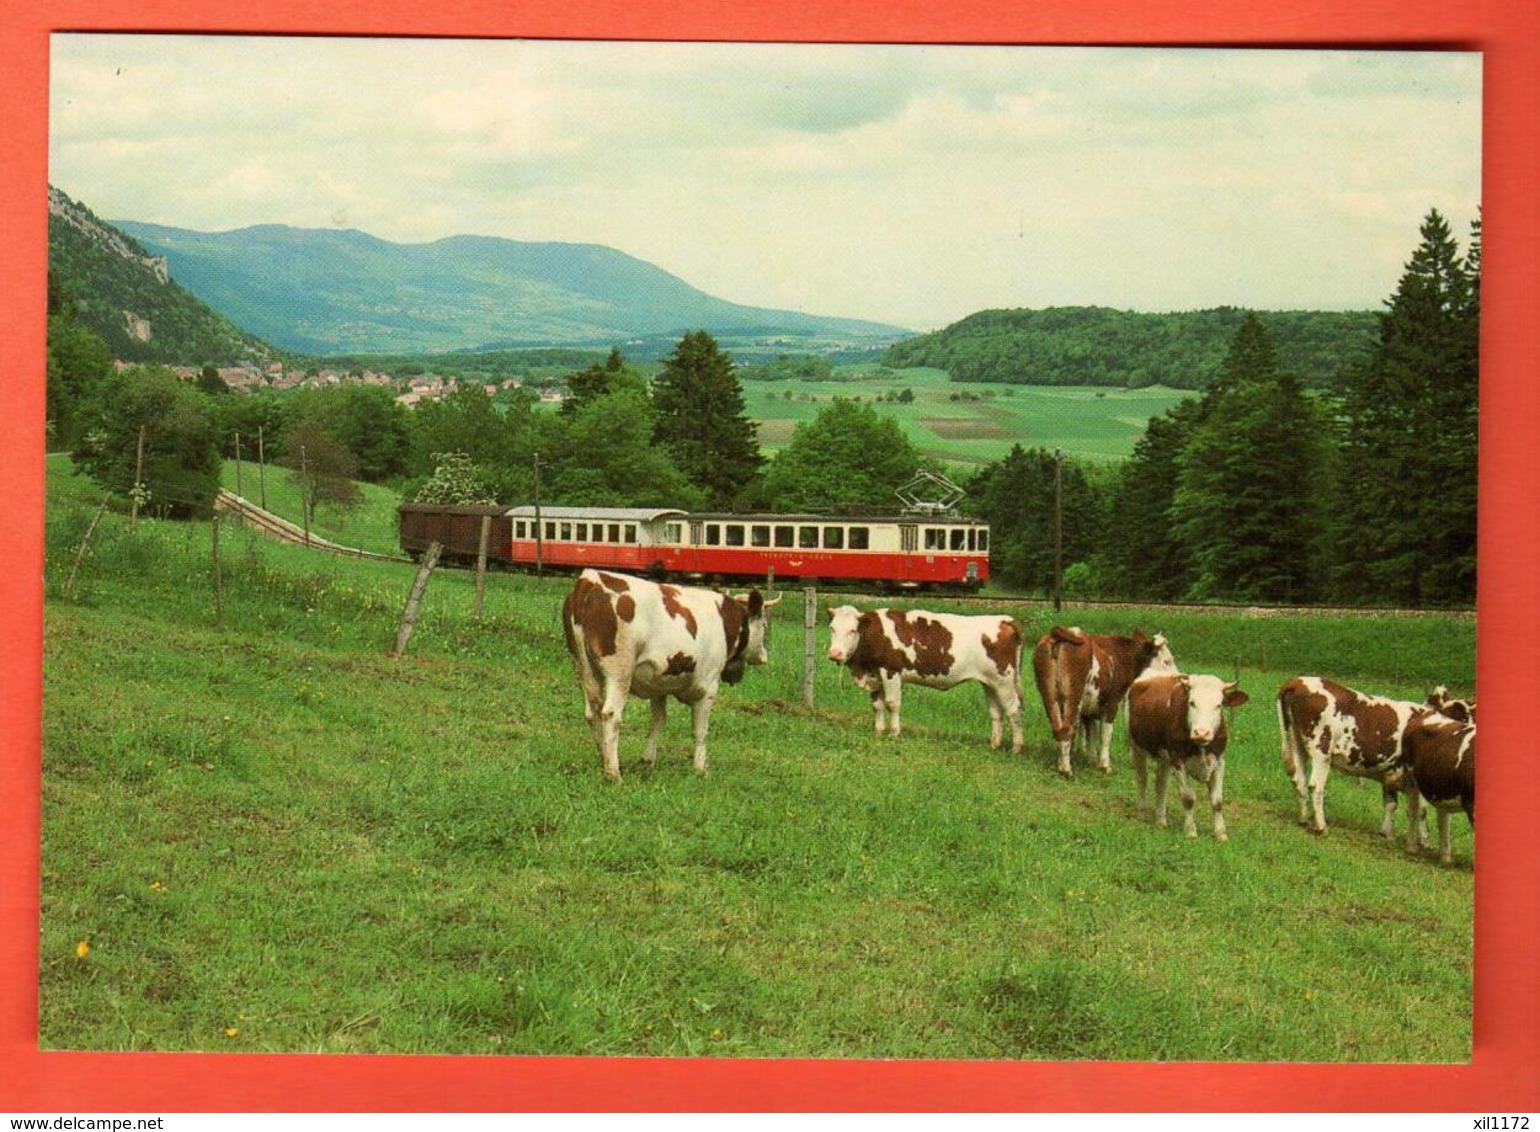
point(1326, 726)
point(1442, 754)
point(887, 648)
point(1178, 720)
point(1442, 702)
point(632, 637)
point(1082, 678)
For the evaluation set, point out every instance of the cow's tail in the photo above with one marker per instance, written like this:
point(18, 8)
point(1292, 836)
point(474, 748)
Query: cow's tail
point(1291, 748)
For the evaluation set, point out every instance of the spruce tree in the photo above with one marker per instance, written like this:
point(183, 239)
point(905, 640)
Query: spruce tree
point(701, 420)
point(1406, 504)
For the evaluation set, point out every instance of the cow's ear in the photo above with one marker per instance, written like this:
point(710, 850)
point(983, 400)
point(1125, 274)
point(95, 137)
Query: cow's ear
point(756, 603)
point(1139, 638)
point(1234, 697)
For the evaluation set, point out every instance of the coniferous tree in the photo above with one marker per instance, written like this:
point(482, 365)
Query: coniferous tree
point(1016, 496)
point(701, 420)
point(1245, 506)
point(1406, 502)
point(1145, 559)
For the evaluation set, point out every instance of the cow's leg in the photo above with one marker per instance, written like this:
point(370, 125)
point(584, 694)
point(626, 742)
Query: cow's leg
point(1216, 799)
point(879, 710)
point(1162, 780)
point(701, 710)
point(615, 694)
point(893, 695)
point(1065, 767)
point(1319, 769)
point(659, 718)
point(1104, 758)
point(1388, 823)
point(1416, 821)
point(996, 718)
point(1010, 699)
point(1189, 801)
point(1293, 763)
point(1141, 775)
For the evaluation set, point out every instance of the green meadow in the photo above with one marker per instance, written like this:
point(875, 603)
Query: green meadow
point(261, 833)
point(971, 422)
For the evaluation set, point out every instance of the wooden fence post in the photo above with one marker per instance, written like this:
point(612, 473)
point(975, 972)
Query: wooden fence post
point(219, 580)
point(414, 600)
point(481, 562)
point(810, 642)
point(80, 553)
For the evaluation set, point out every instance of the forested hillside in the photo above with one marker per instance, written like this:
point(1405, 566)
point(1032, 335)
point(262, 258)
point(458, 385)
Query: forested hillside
point(1099, 346)
point(123, 294)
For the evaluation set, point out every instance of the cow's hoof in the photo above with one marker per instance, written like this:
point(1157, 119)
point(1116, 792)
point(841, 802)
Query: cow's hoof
point(1107, 769)
point(1221, 837)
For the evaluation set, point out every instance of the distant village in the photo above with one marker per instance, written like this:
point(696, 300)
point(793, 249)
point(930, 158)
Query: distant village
point(410, 391)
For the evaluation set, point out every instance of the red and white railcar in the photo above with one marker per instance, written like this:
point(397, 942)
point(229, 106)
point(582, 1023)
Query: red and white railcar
point(906, 550)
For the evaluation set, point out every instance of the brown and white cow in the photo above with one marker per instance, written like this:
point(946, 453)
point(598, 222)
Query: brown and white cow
point(1464, 711)
point(1083, 677)
point(1178, 720)
point(633, 637)
point(888, 648)
point(1442, 754)
point(1327, 726)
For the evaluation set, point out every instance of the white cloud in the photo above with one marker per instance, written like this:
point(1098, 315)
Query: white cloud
point(906, 184)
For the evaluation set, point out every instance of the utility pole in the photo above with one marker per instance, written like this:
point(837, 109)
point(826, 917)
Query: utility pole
point(261, 468)
point(1058, 528)
point(238, 465)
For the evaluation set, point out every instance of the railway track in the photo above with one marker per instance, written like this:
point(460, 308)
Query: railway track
point(277, 527)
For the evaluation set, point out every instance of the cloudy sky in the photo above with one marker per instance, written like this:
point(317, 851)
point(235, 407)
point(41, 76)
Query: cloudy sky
point(910, 185)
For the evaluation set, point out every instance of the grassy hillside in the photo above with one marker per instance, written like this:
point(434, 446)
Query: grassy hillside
point(271, 837)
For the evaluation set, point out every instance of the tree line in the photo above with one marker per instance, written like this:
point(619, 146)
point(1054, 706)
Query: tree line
point(1123, 349)
point(1271, 486)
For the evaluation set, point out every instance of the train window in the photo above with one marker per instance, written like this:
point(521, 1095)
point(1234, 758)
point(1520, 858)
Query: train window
point(973, 539)
point(566, 532)
point(759, 535)
point(614, 532)
point(935, 538)
point(860, 538)
point(983, 541)
point(785, 536)
point(833, 538)
point(673, 532)
point(734, 534)
point(713, 534)
point(959, 539)
point(582, 532)
point(630, 532)
point(550, 530)
point(518, 529)
point(807, 537)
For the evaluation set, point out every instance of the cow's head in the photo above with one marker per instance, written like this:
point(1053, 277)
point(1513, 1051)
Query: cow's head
point(752, 644)
point(1462, 711)
point(1154, 658)
point(1207, 697)
point(844, 632)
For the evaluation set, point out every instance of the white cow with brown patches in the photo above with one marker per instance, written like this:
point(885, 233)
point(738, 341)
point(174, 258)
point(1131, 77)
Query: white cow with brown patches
point(632, 637)
point(888, 648)
point(1441, 751)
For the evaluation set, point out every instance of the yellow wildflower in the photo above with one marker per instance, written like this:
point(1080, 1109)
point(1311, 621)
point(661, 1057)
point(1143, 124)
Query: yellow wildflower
point(82, 949)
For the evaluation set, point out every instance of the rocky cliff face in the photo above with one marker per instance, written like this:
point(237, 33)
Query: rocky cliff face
point(80, 218)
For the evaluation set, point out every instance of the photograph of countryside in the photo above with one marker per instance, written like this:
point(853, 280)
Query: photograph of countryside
point(760, 550)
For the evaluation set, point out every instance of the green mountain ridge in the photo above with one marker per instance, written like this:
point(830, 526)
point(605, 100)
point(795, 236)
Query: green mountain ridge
point(334, 291)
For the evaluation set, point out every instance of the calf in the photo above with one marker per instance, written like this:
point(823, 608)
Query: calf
point(1178, 720)
point(887, 648)
point(1441, 752)
point(1327, 726)
point(1082, 678)
point(632, 637)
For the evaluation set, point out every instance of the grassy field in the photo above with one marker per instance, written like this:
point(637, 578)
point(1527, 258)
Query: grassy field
point(1096, 424)
point(270, 837)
